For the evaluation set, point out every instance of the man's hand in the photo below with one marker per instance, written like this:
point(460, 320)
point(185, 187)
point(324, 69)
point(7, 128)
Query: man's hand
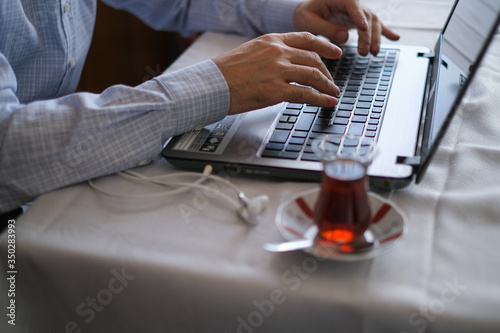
point(260, 71)
point(333, 19)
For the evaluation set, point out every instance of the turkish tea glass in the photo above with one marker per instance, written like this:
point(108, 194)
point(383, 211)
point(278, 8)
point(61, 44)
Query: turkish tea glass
point(342, 212)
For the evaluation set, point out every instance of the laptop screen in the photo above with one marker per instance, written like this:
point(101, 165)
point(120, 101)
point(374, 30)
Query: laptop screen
point(467, 31)
point(462, 44)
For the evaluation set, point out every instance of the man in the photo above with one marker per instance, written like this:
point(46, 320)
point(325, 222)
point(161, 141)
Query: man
point(51, 137)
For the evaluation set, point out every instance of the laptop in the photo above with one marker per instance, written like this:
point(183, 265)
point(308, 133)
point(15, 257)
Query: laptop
point(404, 98)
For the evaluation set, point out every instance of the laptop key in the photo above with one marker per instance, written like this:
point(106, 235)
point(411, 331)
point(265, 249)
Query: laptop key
point(291, 112)
point(369, 86)
point(299, 134)
point(346, 107)
point(322, 121)
point(344, 114)
point(341, 121)
point(305, 122)
point(356, 128)
point(334, 129)
point(368, 92)
point(348, 142)
point(351, 94)
point(364, 105)
point(297, 106)
point(359, 119)
point(294, 148)
point(352, 88)
point(284, 126)
point(325, 114)
point(362, 112)
point(271, 153)
point(297, 141)
point(311, 109)
point(309, 157)
point(365, 98)
point(355, 82)
point(348, 101)
point(275, 146)
point(279, 136)
point(371, 81)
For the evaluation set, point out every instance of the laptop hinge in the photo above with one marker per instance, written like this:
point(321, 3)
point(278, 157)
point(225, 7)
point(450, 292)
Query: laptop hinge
point(429, 55)
point(413, 161)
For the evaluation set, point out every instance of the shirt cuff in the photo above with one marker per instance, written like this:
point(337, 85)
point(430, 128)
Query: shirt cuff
point(200, 94)
point(278, 15)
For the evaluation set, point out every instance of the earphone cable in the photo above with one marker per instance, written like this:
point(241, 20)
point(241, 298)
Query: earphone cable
point(161, 180)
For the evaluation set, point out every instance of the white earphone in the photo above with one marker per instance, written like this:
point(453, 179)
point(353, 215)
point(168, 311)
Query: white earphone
point(248, 209)
point(251, 209)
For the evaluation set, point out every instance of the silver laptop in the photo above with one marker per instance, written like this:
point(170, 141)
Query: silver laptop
point(404, 98)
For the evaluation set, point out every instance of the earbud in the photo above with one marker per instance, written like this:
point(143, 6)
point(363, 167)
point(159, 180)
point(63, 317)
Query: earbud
point(251, 208)
point(258, 204)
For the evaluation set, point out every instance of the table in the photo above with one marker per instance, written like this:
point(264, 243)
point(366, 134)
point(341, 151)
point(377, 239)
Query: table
point(92, 263)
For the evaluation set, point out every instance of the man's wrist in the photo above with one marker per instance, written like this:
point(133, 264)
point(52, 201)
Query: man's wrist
point(279, 16)
point(200, 94)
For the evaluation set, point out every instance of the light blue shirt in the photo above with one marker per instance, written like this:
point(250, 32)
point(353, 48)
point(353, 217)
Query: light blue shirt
point(52, 137)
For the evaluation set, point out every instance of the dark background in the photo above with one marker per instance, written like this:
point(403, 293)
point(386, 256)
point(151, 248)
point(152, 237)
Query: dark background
point(125, 51)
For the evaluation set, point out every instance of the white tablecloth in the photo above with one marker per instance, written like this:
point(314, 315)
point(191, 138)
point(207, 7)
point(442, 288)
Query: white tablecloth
point(91, 263)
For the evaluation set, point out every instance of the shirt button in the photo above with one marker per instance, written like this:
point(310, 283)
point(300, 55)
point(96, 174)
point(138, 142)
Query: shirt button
point(72, 62)
point(66, 7)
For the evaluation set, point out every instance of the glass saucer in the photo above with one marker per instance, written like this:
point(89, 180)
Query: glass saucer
point(294, 221)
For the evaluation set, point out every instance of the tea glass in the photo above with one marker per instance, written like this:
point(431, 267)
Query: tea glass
point(342, 212)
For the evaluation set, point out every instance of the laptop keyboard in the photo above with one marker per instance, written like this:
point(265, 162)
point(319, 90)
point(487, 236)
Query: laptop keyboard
point(364, 84)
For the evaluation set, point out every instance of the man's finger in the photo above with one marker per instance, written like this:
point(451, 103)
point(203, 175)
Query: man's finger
point(375, 36)
point(364, 40)
point(336, 33)
point(310, 59)
point(298, 94)
point(309, 42)
point(358, 16)
point(312, 77)
point(387, 32)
